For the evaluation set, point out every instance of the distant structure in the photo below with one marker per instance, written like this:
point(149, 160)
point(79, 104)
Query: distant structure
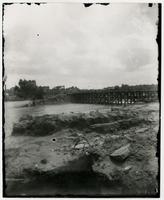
point(117, 95)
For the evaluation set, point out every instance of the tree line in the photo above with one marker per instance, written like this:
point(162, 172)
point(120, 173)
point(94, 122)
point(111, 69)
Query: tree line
point(28, 89)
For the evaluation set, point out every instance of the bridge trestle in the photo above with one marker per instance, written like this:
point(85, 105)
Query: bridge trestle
point(114, 97)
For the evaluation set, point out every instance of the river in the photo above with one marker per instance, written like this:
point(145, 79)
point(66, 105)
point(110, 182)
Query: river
point(14, 110)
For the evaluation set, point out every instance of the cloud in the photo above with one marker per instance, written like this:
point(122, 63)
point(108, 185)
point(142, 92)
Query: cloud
point(136, 57)
point(67, 44)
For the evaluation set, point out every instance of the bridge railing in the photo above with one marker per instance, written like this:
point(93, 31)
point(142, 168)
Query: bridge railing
point(114, 97)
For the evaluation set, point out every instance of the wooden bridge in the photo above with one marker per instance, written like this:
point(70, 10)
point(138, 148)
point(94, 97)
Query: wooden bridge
point(113, 97)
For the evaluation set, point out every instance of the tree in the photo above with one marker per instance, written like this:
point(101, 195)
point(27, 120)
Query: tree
point(125, 87)
point(27, 89)
point(116, 87)
point(39, 94)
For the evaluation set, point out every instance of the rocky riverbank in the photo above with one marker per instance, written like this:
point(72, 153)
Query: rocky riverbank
point(119, 145)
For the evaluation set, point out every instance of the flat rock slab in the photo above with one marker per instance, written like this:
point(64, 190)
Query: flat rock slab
point(117, 124)
point(44, 154)
point(121, 153)
point(141, 130)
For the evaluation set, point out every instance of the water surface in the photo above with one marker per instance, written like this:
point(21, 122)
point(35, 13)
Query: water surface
point(15, 110)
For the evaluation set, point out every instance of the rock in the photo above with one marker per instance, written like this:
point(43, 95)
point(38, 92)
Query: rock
point(127, 168)
point(107, 168)
point(115, 136)
point(21, 127)
point(128, 138)
point(110, 126)
point(40, 156)
point(121, 153)
point(110, 170)
point(141, 130)
point(81, 145)
point(117, 124)
point(35, 127)
point(97, 142)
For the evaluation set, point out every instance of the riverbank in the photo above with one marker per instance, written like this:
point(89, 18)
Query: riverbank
point(116, 146)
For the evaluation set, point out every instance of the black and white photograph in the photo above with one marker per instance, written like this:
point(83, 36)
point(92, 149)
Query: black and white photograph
point(81, 99)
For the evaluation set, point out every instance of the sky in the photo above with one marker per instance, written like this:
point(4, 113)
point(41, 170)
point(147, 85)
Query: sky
point(69, 44)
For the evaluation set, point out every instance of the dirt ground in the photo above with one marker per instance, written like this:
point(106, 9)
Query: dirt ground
point(89, 143)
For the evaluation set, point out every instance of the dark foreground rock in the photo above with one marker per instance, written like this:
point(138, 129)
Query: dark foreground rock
point(122, 153)
point(101, 122)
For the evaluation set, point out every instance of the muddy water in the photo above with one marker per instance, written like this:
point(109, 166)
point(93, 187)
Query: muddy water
point(15, 110)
